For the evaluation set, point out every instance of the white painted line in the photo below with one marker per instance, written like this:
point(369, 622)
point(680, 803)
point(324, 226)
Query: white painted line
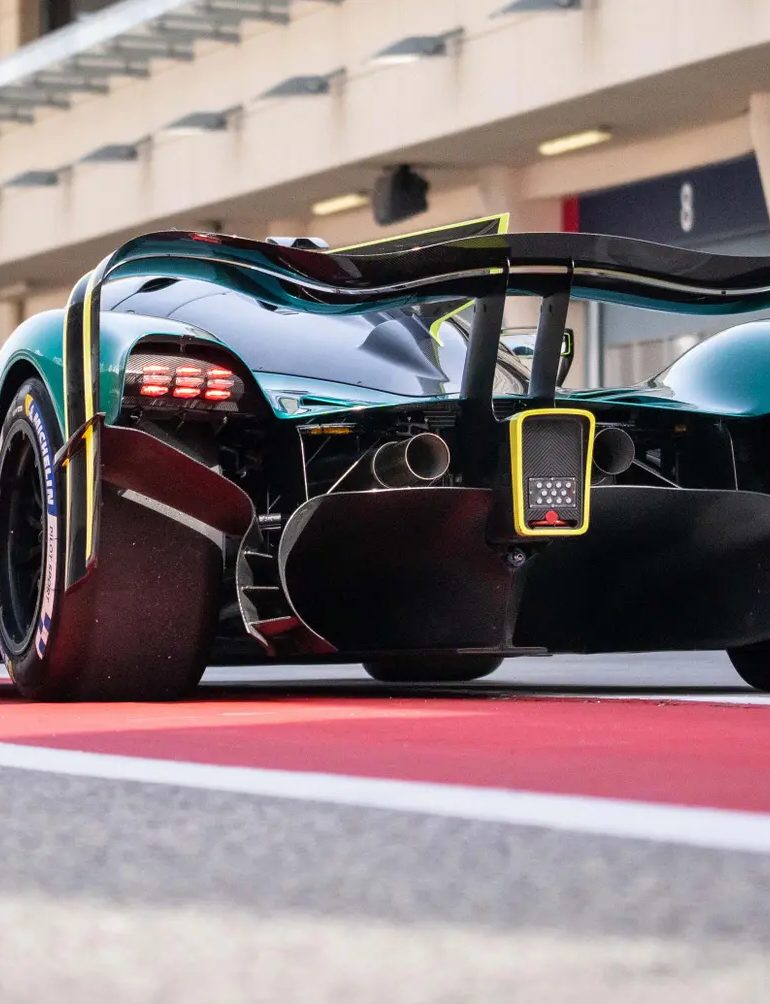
point(697, 827)
point(750, 699)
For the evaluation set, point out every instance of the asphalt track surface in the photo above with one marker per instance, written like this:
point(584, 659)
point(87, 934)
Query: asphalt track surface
point(572, 829)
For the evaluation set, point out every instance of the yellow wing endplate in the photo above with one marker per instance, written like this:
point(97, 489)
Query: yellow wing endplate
point(496, 224)
point(483, 226)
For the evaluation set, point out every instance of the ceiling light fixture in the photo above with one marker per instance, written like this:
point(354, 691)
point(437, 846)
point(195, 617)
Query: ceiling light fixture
point(198, 122)
point(34, 179)
point(539, 6)
point(409, 50)
point(340, 204)
point(574, 141)
point(304, 86)
point(112, 153)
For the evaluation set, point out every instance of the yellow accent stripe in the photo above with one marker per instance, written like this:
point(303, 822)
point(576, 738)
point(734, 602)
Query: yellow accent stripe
point(64, 366)
point(502, 218)
point(435, 328)
point(88, 435)
point(517, 457)
point(88, 385)
point(68, 491)
point(503, 221)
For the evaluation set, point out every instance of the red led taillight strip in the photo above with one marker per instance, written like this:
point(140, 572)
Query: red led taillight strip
point(213, 383)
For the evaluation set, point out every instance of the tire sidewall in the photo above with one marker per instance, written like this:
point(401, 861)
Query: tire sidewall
point(32, 405)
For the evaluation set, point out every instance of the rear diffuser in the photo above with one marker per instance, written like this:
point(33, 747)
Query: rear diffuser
point(660, 568)
point(399, 569)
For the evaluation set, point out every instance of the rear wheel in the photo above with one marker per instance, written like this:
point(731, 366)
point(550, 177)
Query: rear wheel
point(139, 625)
point(450, 668)
point(752, 664)
point(22, 483)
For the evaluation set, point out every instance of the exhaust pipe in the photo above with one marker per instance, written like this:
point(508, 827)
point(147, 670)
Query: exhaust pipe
point(614, 451)
point(404, 463)
point(409, 463)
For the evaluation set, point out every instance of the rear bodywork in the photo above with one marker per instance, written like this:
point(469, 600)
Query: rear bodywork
point(322, 559)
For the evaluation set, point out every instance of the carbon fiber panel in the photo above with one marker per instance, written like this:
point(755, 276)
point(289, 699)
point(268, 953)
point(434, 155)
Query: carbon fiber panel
point(660, 569)
point(406, 568)
point(554, 467)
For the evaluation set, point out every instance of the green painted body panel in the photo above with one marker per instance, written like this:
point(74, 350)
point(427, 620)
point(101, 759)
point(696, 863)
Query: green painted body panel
point(38, 341)
point(309, 398)
point(727, 375)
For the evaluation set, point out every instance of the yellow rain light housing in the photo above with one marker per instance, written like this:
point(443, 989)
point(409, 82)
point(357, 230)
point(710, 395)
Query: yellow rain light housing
point(551, 456)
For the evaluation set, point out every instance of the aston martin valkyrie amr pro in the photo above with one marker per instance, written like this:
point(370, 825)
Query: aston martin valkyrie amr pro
point(225, 450)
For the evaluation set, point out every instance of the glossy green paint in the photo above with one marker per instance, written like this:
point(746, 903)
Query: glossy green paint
point(38, 342)
point(727, 375)
point(301, 397)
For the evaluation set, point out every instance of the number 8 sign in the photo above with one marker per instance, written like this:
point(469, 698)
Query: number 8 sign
point(687, 207)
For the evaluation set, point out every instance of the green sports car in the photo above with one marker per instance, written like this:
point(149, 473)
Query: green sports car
point(232, 451)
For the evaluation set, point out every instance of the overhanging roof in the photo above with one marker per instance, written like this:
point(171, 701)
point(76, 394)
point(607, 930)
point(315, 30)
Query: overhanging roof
point(122, 40)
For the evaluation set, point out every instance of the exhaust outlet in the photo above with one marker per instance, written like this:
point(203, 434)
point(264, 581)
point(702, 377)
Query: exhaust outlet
point(409, 463)
point(614, 451)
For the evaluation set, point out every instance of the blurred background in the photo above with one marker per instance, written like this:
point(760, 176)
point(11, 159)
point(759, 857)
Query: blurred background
point(353, 119)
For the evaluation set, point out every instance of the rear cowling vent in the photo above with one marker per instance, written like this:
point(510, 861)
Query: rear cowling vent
point(503, 408)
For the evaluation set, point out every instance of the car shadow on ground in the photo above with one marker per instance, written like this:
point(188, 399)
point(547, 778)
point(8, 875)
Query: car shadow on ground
point(370, 689)
point(422, 691)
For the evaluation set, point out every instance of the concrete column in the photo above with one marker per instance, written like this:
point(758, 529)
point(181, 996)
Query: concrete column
point(594, 357)
point(19, 24)
point(293, 226)
point(11, 309)
point(500, 188)
point(759, 129)
point(500, 192)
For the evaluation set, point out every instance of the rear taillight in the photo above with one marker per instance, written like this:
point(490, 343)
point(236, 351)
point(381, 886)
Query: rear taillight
point(161, 380)
point(153, 390)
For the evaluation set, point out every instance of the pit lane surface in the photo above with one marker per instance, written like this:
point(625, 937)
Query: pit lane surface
point(314, 836)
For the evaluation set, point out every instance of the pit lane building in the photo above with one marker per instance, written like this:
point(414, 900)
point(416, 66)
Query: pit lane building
point(642, 117)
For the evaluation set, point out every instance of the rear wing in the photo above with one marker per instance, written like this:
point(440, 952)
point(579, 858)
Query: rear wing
point(352, 281)
point(467, 261)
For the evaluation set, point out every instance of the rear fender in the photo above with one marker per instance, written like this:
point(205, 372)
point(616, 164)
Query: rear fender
point(131, 460)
